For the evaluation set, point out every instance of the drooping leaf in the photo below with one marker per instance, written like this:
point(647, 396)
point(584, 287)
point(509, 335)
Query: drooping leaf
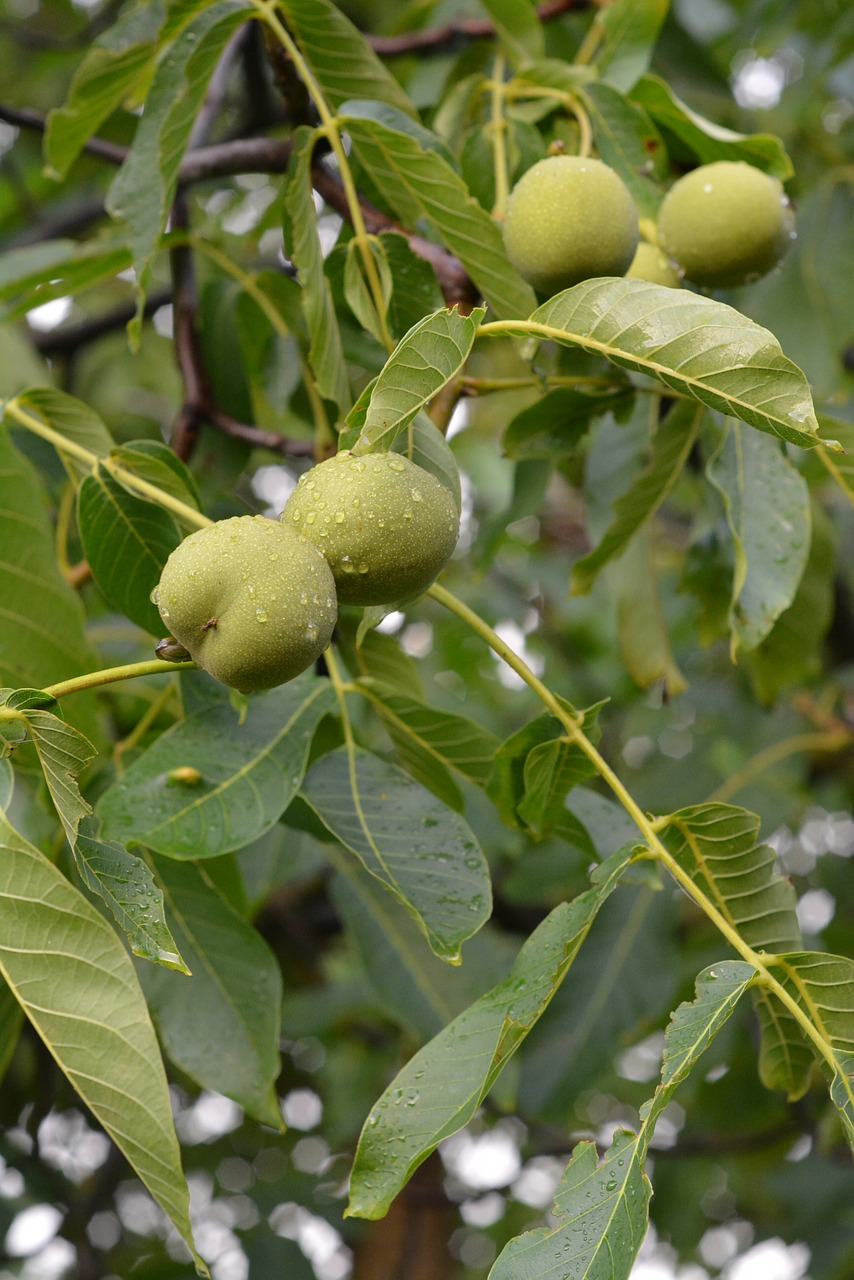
point(823, 986)
point(76, 984)
point(671, 445)
point(628, 141)
point(41, 620)
point(420, 182)
point(518, 28)
point(114, 66)
point(699, 347)
point(326, 354)
point(220, 1025)
point(340, 57)
point(554, 425)
point(250, 770)
point(357, 289)
point(442, 1086)
point(127, 541)
point(421, 364)
point(768, 511)
point(717, 845)
point(142, 192)
point(602, 1207)
point(630, 34)
point(414, 986)
point(641, 625)
point(122, 880)
point(56, 269)
point(423, 852)
point(707, 140)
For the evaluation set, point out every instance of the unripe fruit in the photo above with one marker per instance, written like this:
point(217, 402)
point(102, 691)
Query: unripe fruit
point(570, 218)
point(385, 525)
point(649, 263)
point(252, 602)
point(726, 224)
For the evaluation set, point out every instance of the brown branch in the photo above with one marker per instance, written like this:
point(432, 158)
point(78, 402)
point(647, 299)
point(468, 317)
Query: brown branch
point(69, 338)
point(437, 39)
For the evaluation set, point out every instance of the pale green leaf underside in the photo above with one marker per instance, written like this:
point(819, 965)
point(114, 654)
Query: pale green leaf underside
point(77, 986)
point(696, 346)
point(602, 1208)
point(421, 364)
point(418, 848)
point(717, 845)
point(222, 1024)
point(441, 1087)
point(250, 770)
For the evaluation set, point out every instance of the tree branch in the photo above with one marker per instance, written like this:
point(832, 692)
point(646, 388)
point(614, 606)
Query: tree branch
point(437, 39)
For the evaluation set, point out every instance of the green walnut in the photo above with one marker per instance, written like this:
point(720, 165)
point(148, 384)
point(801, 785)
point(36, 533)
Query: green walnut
point(726, 224)
point(250, 600)
point(653, 265)
point(385, 525)
point(570, 218)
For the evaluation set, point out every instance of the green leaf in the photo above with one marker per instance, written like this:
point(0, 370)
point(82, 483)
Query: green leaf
point(420, 850)
point(126, 541)
point(357, 291)
point(339, 56)
point(536, 767)
point(154, 462)
point(696, 346)
point(425, 737)
point(123, 881)
point(823, 987)
point(415, 291)
point(554, 425)
point(76, 984)
point(326, 354)
point(629, 142)
point(142, 191)
point(418, 182)
point(644, 641)
point(57, 269)
point(441, 1087)
point(416, 988)
point(41, 619)
point(73, 419)
point(602, 1207)
point(423, 362)
point(717, 845)
point(518, 27)
point(11, 1022)
point(768, 511)
point(631, 30)
point(250, 766)
point(129, 889)
point(671, 446)
point(221, 1025)
point(113, 67)
point(707, 140)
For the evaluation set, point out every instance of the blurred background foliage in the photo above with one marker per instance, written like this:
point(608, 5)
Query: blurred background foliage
point(759, 1183)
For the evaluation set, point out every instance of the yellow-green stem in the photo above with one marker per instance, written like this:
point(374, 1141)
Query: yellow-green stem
point(110, 675)
point(74, 450)
point(498, 137)
point(818, 740)
point(647, 826)
point(144, 723)
point(331, 130)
